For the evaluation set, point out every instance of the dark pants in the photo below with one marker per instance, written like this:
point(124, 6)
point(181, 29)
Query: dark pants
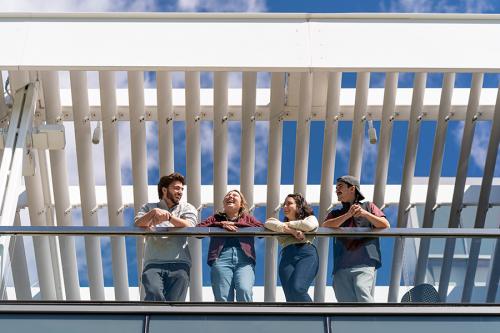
point(297, 270)
point(166, 282)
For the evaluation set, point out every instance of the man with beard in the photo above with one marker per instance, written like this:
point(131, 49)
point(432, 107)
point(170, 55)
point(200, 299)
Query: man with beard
point(165, 274)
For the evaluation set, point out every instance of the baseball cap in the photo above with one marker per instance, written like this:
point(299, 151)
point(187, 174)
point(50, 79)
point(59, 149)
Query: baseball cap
point(353, 181)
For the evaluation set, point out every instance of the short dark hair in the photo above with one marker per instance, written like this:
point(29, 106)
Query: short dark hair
point(303, 208)
point(165, 181)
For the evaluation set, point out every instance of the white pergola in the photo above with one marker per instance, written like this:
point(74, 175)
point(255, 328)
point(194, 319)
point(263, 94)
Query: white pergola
point(306, 56)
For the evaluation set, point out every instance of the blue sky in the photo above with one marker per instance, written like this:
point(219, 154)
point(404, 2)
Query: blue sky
point(452, 146)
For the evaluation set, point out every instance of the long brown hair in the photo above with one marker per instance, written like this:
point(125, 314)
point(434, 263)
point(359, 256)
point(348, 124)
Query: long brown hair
point(303, 208)
point(244, 205)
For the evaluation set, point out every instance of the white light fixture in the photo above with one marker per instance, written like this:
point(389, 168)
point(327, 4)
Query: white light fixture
point(372, 133)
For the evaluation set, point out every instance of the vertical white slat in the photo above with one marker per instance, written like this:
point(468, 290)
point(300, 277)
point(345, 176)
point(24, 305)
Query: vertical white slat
point(19, 265)
point(460, 178)
point(435, 173)
point(220, 137)
point(53, 115)
point(406, 186)
point(81, 116)
point(303, 133)
point(384, 146)
point(113, 182)
point(3, 106)
point(358, 124)
point(165, 122)
point(274, 178)
point(248, 106)
point(138, 147)
point(483, 203)
point(193, 176)
point(327, 172)
point(33, 185)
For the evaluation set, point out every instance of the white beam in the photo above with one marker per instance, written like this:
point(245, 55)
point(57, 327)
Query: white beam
point(220, 137)
point(20, 274)
point(193, 176)
point(406, 188)
point(165, 122)
point(87, 181)
point(297, 42)
point(60, 188)
point(327, 172)
point(113, 183)
point(274, 179)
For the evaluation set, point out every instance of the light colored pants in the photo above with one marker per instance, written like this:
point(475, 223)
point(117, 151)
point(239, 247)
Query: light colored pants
point(233, 272)
point(354, 284)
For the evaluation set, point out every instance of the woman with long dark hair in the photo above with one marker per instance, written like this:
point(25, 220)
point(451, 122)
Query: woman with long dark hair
point(299, 258)
point(232, 259)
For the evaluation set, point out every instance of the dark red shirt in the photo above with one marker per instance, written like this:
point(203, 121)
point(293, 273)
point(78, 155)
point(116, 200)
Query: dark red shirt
point(217, 243)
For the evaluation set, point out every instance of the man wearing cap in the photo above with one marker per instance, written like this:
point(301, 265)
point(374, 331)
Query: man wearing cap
point(355, 259)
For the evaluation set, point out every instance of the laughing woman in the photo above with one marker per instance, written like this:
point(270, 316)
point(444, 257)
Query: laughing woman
point(232, 259)
point(299, 259)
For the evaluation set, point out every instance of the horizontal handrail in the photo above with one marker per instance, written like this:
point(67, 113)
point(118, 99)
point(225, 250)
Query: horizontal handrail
point(247, 232)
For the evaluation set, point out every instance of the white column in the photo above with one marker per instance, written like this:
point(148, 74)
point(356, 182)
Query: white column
point(483, 204)
point(358, 124)
point(81, 114)
point(193, 176)
point(113, 182)
point(220, 138)
point(384, 146)
point(53, 115)
point(165, 122)
point(327, 171)
point(302, 133)
point(274, 179)
point(138, 146)
point(406, 186)
point(248, 106)
point(460, 178)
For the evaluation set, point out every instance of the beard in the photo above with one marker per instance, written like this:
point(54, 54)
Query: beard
point(172, 198)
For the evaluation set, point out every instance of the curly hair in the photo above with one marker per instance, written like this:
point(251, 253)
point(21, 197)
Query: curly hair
point(165, 181)
point(244, 205)
point(303, 208)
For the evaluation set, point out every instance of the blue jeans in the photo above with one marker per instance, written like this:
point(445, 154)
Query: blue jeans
point(233, 271)
point(297, 270)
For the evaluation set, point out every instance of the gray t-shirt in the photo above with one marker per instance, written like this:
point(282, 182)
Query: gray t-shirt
point(168, 249)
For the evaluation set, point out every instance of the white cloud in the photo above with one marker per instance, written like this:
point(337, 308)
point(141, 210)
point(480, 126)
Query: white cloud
point(76, 5)
point(222, 5)
point(441, 6)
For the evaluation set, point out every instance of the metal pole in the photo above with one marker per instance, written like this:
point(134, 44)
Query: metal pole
point(407, 182)
point(113, 182)
point(274, 179)
point(327, 172)
point(483, 204)
point(220, 138)
point(461, 176)
point(248, 106)
point(53, 115)
point(19, 265)
point(138, 146)
point(302, 133)
point(165, 122)
point(81, 113)
point(358, 123)
point(193, 173)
